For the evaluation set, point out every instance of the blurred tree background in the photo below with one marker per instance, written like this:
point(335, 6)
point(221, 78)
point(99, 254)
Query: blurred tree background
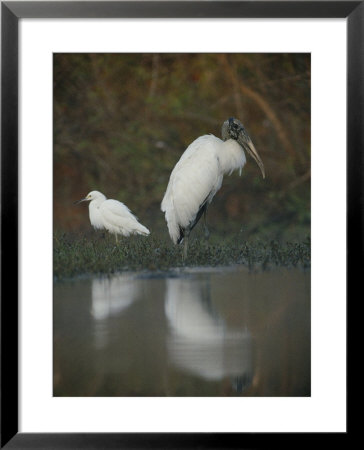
point(121, 122)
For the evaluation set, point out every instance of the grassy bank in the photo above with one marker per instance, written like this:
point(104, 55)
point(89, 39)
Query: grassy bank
point(97, 254)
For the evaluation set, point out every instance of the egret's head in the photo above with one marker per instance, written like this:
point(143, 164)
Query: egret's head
point(233, 129)
point(93, 195)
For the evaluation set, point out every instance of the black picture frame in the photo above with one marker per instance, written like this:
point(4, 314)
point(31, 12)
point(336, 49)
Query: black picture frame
point(11, 12)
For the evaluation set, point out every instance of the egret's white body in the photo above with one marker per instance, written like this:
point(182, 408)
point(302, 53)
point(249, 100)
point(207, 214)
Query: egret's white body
point(198, 175)
point(111, 296)
point(112, 216)
point(94, 211)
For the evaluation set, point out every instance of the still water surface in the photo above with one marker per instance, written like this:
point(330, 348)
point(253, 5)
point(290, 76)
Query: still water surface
point(197, 332)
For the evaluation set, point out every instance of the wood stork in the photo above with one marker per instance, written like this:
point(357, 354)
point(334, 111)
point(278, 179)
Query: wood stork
point(112, 215)
point(199, 341)
point(198, 175)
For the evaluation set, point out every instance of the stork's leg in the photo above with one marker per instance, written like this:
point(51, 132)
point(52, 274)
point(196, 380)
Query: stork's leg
point(116, 239)
point(207, 232)
point(185, 246)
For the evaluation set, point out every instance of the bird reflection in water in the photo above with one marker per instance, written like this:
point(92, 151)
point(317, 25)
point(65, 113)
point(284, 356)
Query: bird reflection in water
point(199, 341)
point(110, 297)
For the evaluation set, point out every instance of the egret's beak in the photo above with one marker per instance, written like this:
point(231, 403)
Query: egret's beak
point(245, 141)
point(79, 201)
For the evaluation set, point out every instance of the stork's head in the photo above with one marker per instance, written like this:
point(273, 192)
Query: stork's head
point(93, 195)
point(233, 129)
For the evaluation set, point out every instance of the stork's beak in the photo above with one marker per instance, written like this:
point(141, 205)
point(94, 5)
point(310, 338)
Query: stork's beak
point(245, 141)
point(79, 201)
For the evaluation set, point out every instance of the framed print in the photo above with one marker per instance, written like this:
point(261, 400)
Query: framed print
point(148, 298)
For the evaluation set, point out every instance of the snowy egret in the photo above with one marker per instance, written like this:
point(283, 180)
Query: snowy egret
point(198, 175)
point(112, 215)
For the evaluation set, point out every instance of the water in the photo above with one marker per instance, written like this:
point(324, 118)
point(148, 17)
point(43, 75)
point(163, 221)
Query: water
point(198, 332)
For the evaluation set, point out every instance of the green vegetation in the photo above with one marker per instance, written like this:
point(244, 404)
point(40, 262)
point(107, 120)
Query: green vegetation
point(76, 255)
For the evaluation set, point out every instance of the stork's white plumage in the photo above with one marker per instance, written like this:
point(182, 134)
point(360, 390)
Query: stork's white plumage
point(198, 175)
point(112, 216)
